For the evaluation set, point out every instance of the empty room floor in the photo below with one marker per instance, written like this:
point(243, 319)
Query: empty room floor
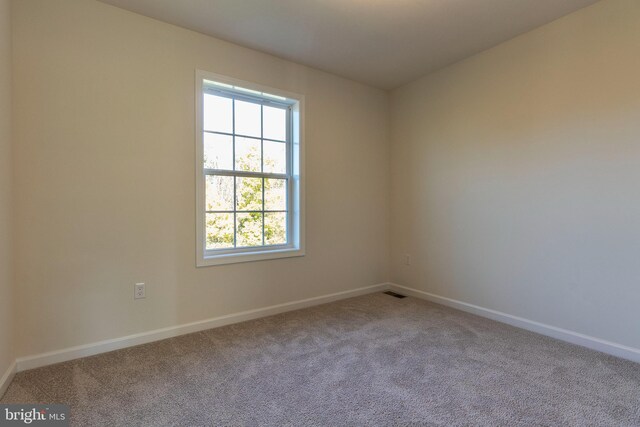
point(370, 360)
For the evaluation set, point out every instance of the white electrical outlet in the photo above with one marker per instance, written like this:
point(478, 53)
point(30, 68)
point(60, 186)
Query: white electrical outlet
point(407, 259)
point(139, 291)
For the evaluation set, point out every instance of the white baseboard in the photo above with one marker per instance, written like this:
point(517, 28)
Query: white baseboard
point(593, 343)
point(63, 355)
point(6, 378)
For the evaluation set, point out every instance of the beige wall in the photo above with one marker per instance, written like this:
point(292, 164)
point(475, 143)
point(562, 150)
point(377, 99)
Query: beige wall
point(516, 176)
point(6, 294)
point(104, 158)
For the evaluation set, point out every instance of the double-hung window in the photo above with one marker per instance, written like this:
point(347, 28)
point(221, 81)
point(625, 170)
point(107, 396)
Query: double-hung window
point(249, 172)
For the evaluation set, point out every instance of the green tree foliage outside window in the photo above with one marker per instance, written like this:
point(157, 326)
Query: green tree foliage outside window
point(249, 192)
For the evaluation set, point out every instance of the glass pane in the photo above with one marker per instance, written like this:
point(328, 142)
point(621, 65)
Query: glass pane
point(219, 230)
point(247, 154)
point(248, 119)
point(275, 194)
point(217, 113)
point(249, 194)
point(219, 193)
point(218, 151)
point(275, 157)
point(249, 231)
point(275, 228)
point(275, 123)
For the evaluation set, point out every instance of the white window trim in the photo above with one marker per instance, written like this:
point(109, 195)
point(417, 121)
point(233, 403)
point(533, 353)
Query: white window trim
point(296, 246)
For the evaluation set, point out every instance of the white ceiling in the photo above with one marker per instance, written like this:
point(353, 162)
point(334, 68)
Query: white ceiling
point(384, 43)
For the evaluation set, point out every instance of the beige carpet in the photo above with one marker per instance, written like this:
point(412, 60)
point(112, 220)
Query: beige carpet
point(372, 360)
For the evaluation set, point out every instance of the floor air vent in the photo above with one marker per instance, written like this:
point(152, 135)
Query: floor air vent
point(393, 294)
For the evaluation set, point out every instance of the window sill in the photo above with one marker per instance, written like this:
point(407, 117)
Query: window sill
point(234, 258)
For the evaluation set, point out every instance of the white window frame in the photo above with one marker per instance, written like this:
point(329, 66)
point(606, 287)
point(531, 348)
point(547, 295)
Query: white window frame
point(295, 160)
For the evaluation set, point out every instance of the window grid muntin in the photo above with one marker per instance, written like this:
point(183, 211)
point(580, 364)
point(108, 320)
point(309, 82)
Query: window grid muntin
point(262, 165)
point(237, 173)
point(235, 184)
point(243, 136)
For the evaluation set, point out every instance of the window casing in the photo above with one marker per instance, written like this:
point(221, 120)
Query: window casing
point(249, 172)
